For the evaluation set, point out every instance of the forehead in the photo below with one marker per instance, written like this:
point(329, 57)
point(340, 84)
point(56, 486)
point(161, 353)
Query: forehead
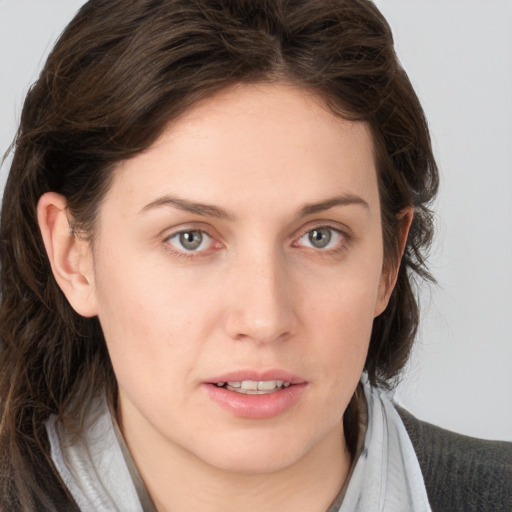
point(271, 144)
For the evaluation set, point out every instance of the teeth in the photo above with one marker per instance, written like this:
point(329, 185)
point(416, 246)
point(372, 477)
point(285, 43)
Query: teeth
point(249, 385)
point(252, 387)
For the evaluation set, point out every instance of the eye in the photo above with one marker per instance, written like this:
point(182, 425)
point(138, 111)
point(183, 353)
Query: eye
point(322, 237)
point(192, 240)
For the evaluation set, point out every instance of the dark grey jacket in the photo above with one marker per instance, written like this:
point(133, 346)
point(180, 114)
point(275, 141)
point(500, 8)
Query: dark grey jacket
point(461, 473)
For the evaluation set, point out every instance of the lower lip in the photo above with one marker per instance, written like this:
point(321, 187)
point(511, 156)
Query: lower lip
point(258, 407)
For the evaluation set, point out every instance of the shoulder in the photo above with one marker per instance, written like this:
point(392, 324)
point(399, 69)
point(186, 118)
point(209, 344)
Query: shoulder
point(461, 473)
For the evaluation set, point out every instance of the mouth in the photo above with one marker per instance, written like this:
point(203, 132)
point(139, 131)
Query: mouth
point(254, 394)
point(253, 387)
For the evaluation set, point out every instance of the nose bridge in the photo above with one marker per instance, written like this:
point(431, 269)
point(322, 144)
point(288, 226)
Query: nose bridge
point(261, 307)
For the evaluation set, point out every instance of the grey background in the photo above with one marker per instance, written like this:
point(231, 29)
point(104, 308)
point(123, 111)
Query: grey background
point(458, 54)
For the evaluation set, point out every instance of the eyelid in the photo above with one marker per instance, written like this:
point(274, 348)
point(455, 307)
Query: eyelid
point(183, 227)
point(343, 233)
point(206, 239)
point(168, 234)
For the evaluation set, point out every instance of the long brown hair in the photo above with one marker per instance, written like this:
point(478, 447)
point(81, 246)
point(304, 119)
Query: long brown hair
point(119, 73)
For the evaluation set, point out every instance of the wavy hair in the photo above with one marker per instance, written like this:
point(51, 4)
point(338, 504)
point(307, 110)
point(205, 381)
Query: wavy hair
point(123, 69)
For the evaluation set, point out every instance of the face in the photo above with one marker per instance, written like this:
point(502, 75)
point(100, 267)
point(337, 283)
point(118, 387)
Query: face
point(237, 272)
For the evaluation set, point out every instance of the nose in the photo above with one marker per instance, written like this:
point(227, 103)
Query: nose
point(261, 300)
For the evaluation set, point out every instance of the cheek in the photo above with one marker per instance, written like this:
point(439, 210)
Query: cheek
point(342, 315)
point(347, 298)
point(346, 322)
point(151, 324)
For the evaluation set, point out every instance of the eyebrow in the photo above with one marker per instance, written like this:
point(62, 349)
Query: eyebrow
point(343, 200)
point(208, 210)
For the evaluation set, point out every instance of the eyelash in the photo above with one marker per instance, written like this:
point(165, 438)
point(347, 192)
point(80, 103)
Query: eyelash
point(183, 253)
point(341, 245)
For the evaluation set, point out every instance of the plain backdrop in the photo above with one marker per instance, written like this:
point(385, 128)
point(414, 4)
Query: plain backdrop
point(458, 54)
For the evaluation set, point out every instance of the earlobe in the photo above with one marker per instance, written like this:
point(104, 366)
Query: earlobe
point(390, 275)
point(70, 256)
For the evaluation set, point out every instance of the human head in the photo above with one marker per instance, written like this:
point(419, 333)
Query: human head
point(118, 75)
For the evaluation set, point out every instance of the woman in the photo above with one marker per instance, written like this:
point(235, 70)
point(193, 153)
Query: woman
point(210, 228)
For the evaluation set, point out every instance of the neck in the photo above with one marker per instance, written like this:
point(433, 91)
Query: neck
point(178, 480)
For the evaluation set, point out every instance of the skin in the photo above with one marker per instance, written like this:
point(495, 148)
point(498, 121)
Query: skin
point(257, 295)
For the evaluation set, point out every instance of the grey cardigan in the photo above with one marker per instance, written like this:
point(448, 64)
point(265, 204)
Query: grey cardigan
point(461, 473)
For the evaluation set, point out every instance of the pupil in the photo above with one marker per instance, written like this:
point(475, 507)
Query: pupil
point(191, 240)
point(320, 237)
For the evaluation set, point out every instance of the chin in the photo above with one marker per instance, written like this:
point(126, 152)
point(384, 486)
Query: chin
point(252, 464)
point(253, 456)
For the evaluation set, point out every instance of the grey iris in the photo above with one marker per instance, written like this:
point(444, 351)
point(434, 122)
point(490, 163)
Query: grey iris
point(320, 237)
point(191, 240)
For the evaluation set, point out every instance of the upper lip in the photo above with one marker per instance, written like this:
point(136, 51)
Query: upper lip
point(255, 375)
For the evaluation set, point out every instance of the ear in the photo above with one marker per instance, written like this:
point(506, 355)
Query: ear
point(70, 256)
point(390, 275)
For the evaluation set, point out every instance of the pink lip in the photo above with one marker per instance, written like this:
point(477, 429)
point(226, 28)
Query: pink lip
point(239, 375)
point(256, 406)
